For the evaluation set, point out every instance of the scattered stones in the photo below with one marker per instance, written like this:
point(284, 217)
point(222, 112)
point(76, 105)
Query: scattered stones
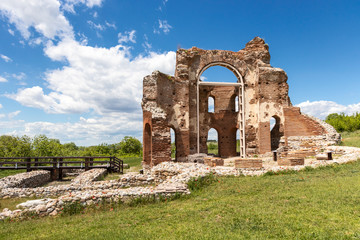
point(171, 178)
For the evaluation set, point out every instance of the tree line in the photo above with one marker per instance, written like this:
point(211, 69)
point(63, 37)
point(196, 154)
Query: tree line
point(42, 146)
point(344, 123)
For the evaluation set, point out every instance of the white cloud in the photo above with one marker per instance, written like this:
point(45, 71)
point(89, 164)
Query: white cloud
point(321, 109)
point(163, 3)
point(127, 37)
point(111, 25)
point(99, 79)
point(3, 79)
point(19, 76)
point(96, 26)
point(13, 114)
point(70, 4)
point(44, 16)
point(146, 43)
point(105, 82)
point(163, 26)
point(1, 106)
point(85, 131)
point(101, 27)
point(11, 31)
point(5, 58)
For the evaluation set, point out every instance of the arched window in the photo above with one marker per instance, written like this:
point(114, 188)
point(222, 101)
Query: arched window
point(212, 142)
point(275, 132)
point(238, 142)
point(173, 143)
point(147, 144)
point(211, 104)
point(237, 104)
point(218, 74)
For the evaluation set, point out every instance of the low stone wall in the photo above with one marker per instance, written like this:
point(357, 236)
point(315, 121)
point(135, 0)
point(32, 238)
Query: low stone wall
point(89, 183)
point(89, 176)
point(28, 179)
point(51, 207)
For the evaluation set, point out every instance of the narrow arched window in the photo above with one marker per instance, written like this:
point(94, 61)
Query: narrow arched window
point(211, 104)
point(173, 143)
point(237, 104)
point(213, 142)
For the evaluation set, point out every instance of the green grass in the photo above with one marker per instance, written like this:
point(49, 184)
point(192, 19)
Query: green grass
point(11, 203)
point(5, 173)
point(310, 204)
point(351, 139)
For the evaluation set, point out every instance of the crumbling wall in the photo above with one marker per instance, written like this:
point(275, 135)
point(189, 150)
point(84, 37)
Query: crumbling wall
point(181, 103)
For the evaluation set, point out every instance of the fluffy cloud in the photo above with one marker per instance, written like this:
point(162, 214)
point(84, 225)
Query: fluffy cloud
point(163, 26)
point(1, 106)
point(44, 16)
point(127, 37)
point(3, 79)
point(5, 58)
point(69, 4)
point(105, 82)
point(321, 109)
point(86, 131)
point(101, 79)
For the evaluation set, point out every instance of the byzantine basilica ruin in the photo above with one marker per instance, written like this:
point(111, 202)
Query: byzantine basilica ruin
point(181, 102)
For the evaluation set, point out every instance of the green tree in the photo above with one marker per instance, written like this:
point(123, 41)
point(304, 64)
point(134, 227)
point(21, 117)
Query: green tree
point(11, 146)
point(46, 147)
point(130, 145)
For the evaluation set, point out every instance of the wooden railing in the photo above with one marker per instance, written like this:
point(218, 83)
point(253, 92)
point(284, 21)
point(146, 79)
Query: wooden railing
point(57, 164)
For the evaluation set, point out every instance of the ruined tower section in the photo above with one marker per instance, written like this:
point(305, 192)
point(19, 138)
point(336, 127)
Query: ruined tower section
point(181, 103)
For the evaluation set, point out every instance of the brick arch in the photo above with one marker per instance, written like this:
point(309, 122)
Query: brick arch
point(227, 65)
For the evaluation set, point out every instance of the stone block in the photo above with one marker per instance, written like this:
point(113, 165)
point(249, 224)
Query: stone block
point(291, 161)
point(213, 161)
point(252, 163)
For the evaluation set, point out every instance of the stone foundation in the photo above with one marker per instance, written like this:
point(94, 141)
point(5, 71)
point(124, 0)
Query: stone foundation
point(23, 180)
point(291, 161)
point(249, 163)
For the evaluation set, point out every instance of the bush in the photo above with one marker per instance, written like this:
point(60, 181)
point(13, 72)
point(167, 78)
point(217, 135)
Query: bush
point(344, 123)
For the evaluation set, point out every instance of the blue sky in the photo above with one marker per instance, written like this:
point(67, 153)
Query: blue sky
point(73, 69)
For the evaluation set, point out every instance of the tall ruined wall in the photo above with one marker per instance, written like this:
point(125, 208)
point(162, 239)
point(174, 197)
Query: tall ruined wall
point(171, 102)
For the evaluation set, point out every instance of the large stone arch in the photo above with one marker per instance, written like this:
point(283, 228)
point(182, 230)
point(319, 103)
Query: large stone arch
point(227, 65)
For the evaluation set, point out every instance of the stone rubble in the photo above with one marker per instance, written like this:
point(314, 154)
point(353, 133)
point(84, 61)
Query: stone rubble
point(169, 178)
point(27, 179)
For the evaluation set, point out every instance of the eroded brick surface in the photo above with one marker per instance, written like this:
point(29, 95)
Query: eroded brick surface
point(180, 102)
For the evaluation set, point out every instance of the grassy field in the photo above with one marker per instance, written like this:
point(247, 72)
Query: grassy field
point(351, 139)
point(313, 204)
point(321, 203)
point(5, 173)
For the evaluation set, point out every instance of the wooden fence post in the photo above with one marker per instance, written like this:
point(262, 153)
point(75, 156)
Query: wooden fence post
point(60, 169)
point(28, 164)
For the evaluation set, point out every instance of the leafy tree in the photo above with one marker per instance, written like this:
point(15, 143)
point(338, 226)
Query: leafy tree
point(342, 122)
point(130, 145)
point(46, 147)
point(11, 146)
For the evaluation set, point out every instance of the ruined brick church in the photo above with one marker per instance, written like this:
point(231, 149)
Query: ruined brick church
point(180, 103)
